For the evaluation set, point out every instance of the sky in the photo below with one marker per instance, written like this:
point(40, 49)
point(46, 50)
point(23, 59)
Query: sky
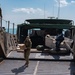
point(17, 11)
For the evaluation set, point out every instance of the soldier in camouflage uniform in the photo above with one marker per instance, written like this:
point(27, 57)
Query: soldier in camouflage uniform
point(28, 45)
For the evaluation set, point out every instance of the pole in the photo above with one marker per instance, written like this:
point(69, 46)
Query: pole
point(44, 10)
point(8, 25)
point(13, 28)
point(58, 8)
point(0, 17)
point(1, 21)
point(53, 10)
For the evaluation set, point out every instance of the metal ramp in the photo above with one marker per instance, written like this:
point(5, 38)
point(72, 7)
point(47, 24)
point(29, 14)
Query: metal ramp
point(40, 64)
point(16, 67)
point(40, 56)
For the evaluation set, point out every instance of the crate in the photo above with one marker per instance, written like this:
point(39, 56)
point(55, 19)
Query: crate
point(22, 46)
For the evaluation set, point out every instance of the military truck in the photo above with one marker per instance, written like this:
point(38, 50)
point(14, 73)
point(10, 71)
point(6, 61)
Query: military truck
point(42, 30)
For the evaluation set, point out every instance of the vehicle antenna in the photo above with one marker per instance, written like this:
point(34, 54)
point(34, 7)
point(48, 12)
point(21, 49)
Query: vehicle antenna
point(53, 10)
point(58, 8)
point(44, 9)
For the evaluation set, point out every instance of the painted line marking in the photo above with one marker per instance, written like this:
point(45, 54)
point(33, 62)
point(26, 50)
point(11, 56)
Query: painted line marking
point(39, 56)
point(8, 54)
point(7, 73)
point(36, 68)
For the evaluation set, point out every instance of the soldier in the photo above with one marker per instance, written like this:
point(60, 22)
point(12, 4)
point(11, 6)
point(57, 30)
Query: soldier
point(28, 45)
point(59, 39)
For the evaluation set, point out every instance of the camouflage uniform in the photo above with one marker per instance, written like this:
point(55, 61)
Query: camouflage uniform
point(28, 45)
